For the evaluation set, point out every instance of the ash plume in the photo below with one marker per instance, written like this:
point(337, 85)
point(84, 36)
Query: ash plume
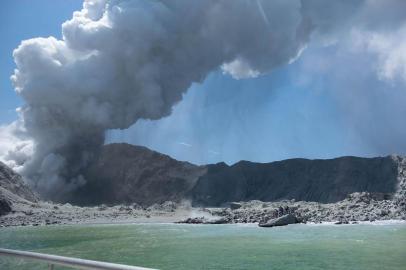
point(120, 61)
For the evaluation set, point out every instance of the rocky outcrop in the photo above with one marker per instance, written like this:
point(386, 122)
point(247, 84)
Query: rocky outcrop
point(359, 206)
point(280, 221)
point(204, 220)
point(13, 190)
point(326, 181)
point(5, 207)
point(400, 194)
point(126, 173)
point(13, 187)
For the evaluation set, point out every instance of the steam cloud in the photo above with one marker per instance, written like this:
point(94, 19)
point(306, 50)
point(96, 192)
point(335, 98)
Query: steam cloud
point(120, 61)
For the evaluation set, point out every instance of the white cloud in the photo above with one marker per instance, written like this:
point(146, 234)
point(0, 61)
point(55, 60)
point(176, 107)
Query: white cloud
point(14, 149)
point(388, 47)
point(239, 69)
point(391, 50)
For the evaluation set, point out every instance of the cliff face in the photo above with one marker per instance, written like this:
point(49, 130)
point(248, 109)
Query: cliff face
point(12, 185)
point(12, 190)
point(126, 173)
point(132, 174)
point(300, 179)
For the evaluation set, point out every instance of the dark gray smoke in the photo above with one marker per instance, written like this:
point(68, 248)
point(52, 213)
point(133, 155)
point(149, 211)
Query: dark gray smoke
point(120, 61)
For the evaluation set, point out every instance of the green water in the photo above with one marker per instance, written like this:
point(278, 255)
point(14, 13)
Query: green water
point(170, 246)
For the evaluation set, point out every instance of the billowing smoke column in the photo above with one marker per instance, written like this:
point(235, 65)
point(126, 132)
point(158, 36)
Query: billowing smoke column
point(121, 60)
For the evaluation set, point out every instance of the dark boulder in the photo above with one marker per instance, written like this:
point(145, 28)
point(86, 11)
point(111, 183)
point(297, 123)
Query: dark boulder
point(194, 220)
point(343, 221)
point(5, 207)
point(204, 220)
point(280, 221)
point(217, 221)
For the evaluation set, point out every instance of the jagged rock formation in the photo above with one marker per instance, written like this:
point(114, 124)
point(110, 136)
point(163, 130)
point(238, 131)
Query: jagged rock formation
point(400, 193)
point(126, 173)
point(13, 190)
point(324, 181)
point(5, 207)
point(12, 183)
point(280, 221)
point(358, 206)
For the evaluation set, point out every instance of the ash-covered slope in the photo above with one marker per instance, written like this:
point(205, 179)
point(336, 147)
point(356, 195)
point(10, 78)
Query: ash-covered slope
point(125, 173)
point(12, 189)
point(12, 182)
point(326, 181)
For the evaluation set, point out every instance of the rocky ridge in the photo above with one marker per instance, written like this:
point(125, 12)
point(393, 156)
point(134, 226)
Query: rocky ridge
point(20, 206)
point(126, 173)
point(13, 190)
point(400, 193)
point(325, 181)
point(11, 182)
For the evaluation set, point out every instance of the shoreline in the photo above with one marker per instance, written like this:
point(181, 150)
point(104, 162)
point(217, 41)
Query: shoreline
point(359, 208)
point(250, 225)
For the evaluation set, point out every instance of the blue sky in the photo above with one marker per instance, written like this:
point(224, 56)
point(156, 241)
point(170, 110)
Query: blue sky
point(268, 118)
point(20, 20)
point(303, 109)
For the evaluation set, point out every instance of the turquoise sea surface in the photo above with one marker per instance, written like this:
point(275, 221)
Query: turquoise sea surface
point(176, 246)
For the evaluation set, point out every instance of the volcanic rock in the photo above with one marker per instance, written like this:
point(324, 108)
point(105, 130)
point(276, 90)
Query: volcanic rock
point(5, 207)
point(126, 173)
point(13, 185)
point(325, 181)
point(280, 221)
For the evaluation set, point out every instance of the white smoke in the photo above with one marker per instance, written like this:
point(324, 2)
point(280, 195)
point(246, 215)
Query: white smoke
point(390, 49)
point(15, 147)
point(120, 61)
